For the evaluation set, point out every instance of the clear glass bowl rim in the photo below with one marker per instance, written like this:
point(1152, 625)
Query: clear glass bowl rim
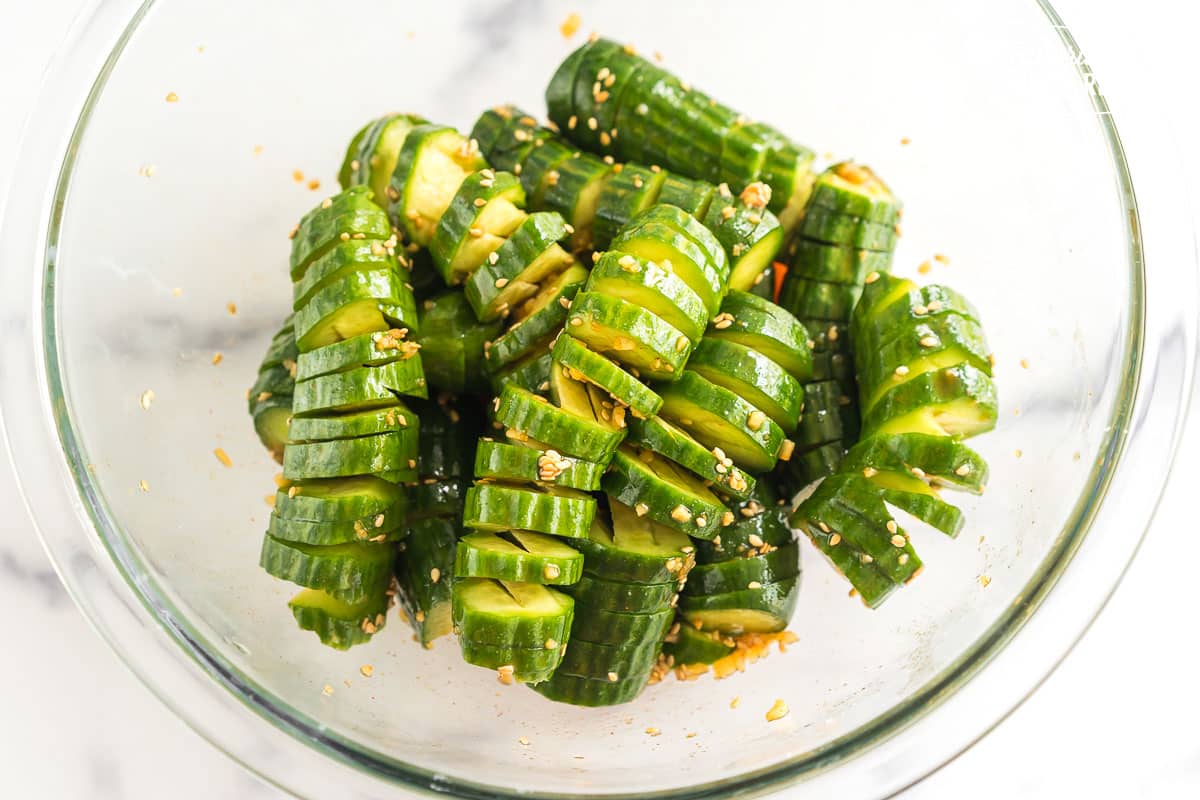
point(953, 710)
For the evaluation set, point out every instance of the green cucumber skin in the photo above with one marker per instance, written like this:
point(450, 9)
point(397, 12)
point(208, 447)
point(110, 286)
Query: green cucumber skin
point(447, 440)
point(601, 626)
point(475, 623)
point(824, 225)
point(560, 92)
point(277, 380)
point(607, 559)
point(379, 151)
point(752, 375)
point(832, 263)
point(389, 419)
point(271, 421)
point(530, 665)
point(690, 646)
point(333, 533)
point(362, 388)
point(659, 436)
point(545, 156)
point(871, 584)
point(510, 462)
point(350, 573)
point(394, 300)
point(600, 371)
point(578, 691)
point(433, 497)
point(453, 229)
point(452, 343)
point(499, 507)
point(626, 598)
point(341, 500)
point(654, 350)
point(342, 631)
point(647, 284)
point(955, 384)
point(389, 453)
point(828, 193)
point(531, 373)
point(933, 511)
point(418, 229)
point(573, 193)
point(659, 242)
point(627, 193)
point(428, 553)
point(680, 221)
point(282, 347)
point(817, 300)
point(597, 89)
point(736, 574)
point(944, 461)
point(766, 327)
point(692, 196)
point(344, 258)
point(538, 319)
point(760, 519)
point(474, 559)
point(932, 299)
point(631, 481)
point(346, 171)
point(752, 235)
point(529, 254)
point(811, 465)
point(520, 410)
point(821, 423)
point(351, 213)
point(775, 600)
point(368, 350)
point(593, 660)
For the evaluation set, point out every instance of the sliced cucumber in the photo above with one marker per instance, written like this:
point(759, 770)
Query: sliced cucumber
point(538, 169)
point(753, 376)
point(835, 263)
point(609, 661)
point(937, 459)
point(598, 87)
point(569, 428)
point(452, 343)
point(670, 495)
point(958, 401)
point(788, 170)
point(389, 529)
point(272, 418)
point(825, 225)
point(855, 190)
point(764, 609)
point(425, 577)
point(626, 598)
point(485, 210)
point(436, 498)
point(574, 192)
point(338, 624)
point(350, 160)
point(651, 286)
point(524, 665)
point(719, 418)
point(518, 556)
point(348, 426)
point(690, 646)
point(341, 218)
point(616, 627)
point(498, 507)
point(586, 365)
point(579, 691)
point(636, 550)
point(350, 573)
point(679, 220)
point(766, 328)
point(692, 196)
point(366, 350)
point(361, 302)
point(659, 436)
point(735, 574)
point(662, 244)
point(626, 194)
point(889, 302)
point(821, 423)
point(448, 438)
point(340, 500)
point(634, 336)
point(538, 319)
point(431, 165)
point(511, 462)
point(818, 300)
point(343, 259)
point(758, 526)
point(531, 373)
point(507, 614)
point(747, 231)
point(815, 464)
point(507, 135)
point(379, 149)
point(512, 273)
point(360, 389)
point(367, 455)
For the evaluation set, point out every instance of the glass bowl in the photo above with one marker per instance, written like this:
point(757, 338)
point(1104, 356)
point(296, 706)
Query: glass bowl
point(134, 224)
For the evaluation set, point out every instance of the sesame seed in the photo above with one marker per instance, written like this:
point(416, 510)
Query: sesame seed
point(755, 420)
point(145, 487)
point(701, 521)
point(172, 97)
point(613, 677)
point(874, 276)
point(963, 469)
point(778, 710)
point(642, 109)
point(435, 575)
point(550, 644)
point(652, 731)
point(147, 399)
point(1024, 363)
point(327, 690)
point(475, 232)
point(984, 580)
point(901, 371)
point(835, 540)
point(501, 283)
point(941, 259)
point(786, 449)
point(681, 514)
point(903, 559)
point(641, 509)
point(929, 341)
point(223, 457)
point(592, 124)
point(367, 670)
point(570, 25)
point(898, 540)
point(753, 585)
point(523, 741)
point(891, 526)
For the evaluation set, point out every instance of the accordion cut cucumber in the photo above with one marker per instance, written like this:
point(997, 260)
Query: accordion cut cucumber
point(599, 83)
point(766, 328)
point(447, 440)
point(817, 300)
point(636, 337)
point(506, 135)
point(452, 343)
point(855, 190)
point(958, 401)
point(659, 436)
point(690, 646)
point(388, 529)
point(609, 661)
point(870, 582)
point(888, 303)
point(366, 350)
point(361, 302)
point(573, 191)
point(826, 225)
point(735, 574)
point(821, 423)
point(692, 196)
point(272, 417)
point(747, 231)
point(937, 459)
point(538, 168)
point(425, 577)
point(436, 498)
point(432, 163)
point(586, 365)
point(340, 500)
point(520, 463)
point(764, 609)
point(531, 373)
point(617, 627)
point(350, 573)
point(679, 220)
point(338, 624)
point(580, 691)
point(571, 430)
point(376, 153)
point(627, 598)
point(512, 273)
point(361, 388)
point(758, 525)
point(636, 550)
point(388, 419)
point(668, 494)
point(625, 195)
point(270, 399)
point(367, 455)
point(719, 418)
point(349, 215)
point(485, 210)
point(508, 614)
point(651, 286)
point(558, 512)
point(923, 504)
point(834, 263)
point(517, 556)
point(751, 375)
point(522, 664)
point(342, 260)
point(663, 244)
point(538, 319)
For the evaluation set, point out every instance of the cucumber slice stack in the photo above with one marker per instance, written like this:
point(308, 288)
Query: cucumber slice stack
point(270, 398)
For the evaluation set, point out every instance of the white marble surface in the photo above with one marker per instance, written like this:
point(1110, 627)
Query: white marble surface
point(1114, 721)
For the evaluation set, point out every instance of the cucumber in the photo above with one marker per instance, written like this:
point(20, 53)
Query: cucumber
point(680, 221)
point(518, 463)
point(367, 455)
point(825, 225)
point(598, 87)
point(660, 243)
point(538, 319)
point(574, 192)
point(342, 260)
point(636, 337)
point(669, 495)
point(423, 275)
point(617, 627)
point(350, 573)
point(626, 598)
point(538, 168)
point(448, 438)
point(517, 556)
point(818, 300)
point(560, 92)
point(753, 376)
point(270, 398)
point(389, 529)
point(636, 550)
point(484, 212)
point(425, 577)
point(452, 343)
point(524, 665)
point(585, 365)
point(360, 389)
point(870, 582)
point(340, 500)
point(833, 263)
point(747, 231)
point(690, 646)
point(759, 525)
point(743, 153)
point(436, 498)
point(924, 504)
point(572, 431)
point(609, 661)
point(719, 418)
point(578, 691)
point(507, 135)
point(766, 328)
point(507, 614)
point(513, 272)
point(338, 624)
point(832, 366)
point(788, 170)
point(626, 194)
point(889, 303)
point(815, 463)
point(361, 302)
point(646, 284)
point(531, 373)
point(692, 196)
point(496, 507)
point(366, 350)
point(348, 426)
point(855, 190)
point(432, 163)
point(959, 401)
point(349, 215)
point(270, 381)
point(736, 574)
point(821, 422)
point(350, 159)
point(827, 336)
point(379, 149)
point(941, 461)
point(765, 609)
point(272, 417)
point(657, 435)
